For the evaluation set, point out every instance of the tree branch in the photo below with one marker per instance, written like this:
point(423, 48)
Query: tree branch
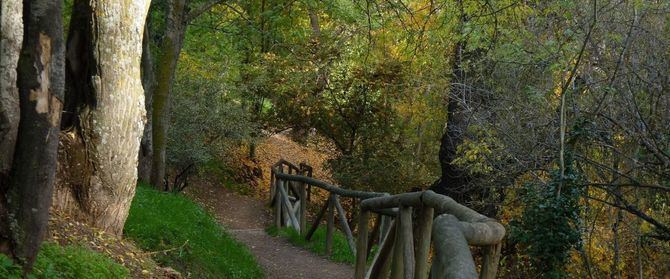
point(201, 10)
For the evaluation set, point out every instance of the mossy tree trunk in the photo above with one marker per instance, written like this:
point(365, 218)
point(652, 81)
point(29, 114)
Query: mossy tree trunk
point(166, 62)
point(454, 180)
point(98, 165)
point(40, 78)
point(178, 15)
point(148, 81)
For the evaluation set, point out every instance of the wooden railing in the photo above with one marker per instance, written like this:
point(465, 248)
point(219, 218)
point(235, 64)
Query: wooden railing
point(404, 229)
point(290, 191)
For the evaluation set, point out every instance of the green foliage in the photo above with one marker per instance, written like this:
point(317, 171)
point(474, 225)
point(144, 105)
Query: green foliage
point(192, 240)
point(8, 269)
point(549, 227)
point(385, 169)
point(340, 253)
point(205, 123)
point(69, 262)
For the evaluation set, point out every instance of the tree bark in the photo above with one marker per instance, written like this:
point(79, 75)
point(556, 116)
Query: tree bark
point(454, 180)
point(40, 82)
point(148, 81)
point(167, 65)
point(177, 19)
point(98, 169)
point(10, 46)
point(11, 28)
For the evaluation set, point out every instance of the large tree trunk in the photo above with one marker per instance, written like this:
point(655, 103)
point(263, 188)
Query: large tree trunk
point(148, 80)
point(11, 28)
point(98, 169)
point(454, 181)
point(40, 81)
point(10, 46)
point(167, 65)
point(178, 15)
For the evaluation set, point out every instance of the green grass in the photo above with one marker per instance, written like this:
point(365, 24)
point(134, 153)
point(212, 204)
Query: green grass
point(194, 243)
point(66, 262)
point(340, 253)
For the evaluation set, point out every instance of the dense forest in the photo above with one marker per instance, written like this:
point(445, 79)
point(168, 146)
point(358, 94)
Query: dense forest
point(552, 117)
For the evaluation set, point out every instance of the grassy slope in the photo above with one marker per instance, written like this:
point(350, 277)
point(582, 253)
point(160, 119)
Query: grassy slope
point(192, 240)
point(67, 262)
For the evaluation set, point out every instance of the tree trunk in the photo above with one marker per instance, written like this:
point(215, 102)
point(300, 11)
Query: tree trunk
point(98, 168)
point(11, 28)
point(167, 65)
point(148, 80)
point(40, 82)
point(454, 180)
point(10, 47)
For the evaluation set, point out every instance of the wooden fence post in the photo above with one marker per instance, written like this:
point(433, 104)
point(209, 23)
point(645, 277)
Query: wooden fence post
point(272, 184)
point(317, 221)
point(362, 245)
point(277, 205)
point(345, 226)
point(290, 213)
point(490, 261)
point(330, 224)
point(303, 208)
point(381, 264)
point(407, 241)
point(425, 226)
point(397, 269)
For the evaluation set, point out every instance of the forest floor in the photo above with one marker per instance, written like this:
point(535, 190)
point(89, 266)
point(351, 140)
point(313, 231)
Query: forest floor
point(246, 218)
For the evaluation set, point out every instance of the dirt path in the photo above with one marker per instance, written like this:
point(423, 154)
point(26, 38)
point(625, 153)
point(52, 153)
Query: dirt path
point(246, 218)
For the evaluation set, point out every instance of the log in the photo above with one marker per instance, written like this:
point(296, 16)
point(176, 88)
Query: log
point(452, 258)
point(272, 186)
point(277, 207)
point(374, 233)
point(389, 212)
point(281, 163)
point(385, 226)
point(381, 259)
point(397, 263)
point(296, 211)
point(345, 226)
point(303, 207)
point(285, 215)
point(328, 187)
point(362, 245)
point(422, 248)
point(407, 242)
point(477, 228)
point(288, 207)
point(490, 261)
point(317, 221)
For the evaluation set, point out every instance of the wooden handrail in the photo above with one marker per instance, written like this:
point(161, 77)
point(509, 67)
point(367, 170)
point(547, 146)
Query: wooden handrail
point(404, 250)
point(455, 228)
point(329, 187)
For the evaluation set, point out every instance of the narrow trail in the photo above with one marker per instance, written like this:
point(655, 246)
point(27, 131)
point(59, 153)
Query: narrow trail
point(246, 218)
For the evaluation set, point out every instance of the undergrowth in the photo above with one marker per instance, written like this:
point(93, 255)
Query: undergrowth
point(184, 236)
point(66, 262)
